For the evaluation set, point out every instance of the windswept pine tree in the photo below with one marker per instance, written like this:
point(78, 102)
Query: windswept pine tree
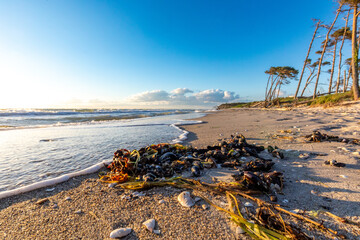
point(324, 47)
point(278, 76)
point(354, 5)
point(346, 34)
point(306, 62)
point(311, 67)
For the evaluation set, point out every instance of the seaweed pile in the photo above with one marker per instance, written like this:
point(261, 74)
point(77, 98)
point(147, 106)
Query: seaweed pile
point(161, 161)
point(161, 165)
point(317, 136)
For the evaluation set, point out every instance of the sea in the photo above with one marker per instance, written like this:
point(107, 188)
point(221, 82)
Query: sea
point(41, 144)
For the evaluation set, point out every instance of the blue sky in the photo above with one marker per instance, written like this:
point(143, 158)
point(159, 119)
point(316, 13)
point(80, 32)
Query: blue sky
point(148, 53)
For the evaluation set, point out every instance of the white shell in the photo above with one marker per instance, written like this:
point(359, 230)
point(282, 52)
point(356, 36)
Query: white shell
point(185, 199)
point(150, 224)
point(248, 204)
point(158, 232)
point(162, 201)
point(120, 232)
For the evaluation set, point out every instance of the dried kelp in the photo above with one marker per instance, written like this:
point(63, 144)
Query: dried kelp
point(267, 222)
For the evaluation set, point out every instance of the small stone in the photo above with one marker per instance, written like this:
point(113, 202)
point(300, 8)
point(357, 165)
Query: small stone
point(313, 192)
point(197, 199)
point(204, 206)
point(79, 211)
point(304, 156)
point(150, 224)
point(295, 211)
point(273, 198)
point(343, 176)
point(111, 185)
point(137, 194)
point(68, 198)
point(157, 232)
point(162, 201)
point(120, 232)
point(50, 189)
point(248, 204)
point(55, 206)
point(285, 201)
point(185, 199)
point(239, 231)
point(42, 201)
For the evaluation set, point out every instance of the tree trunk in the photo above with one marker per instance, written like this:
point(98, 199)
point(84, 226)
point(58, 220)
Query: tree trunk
point(340, 52)
point(355, 51)
point(333, 67)
point(344, 89)
point(348, 79)
point(324, 48)
point(267, 85)
point(306, 85)
point(307, 56)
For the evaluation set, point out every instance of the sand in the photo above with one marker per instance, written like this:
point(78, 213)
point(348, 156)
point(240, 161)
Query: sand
point(94, 209)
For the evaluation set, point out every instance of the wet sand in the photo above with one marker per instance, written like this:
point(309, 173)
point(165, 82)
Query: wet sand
point(93, 209)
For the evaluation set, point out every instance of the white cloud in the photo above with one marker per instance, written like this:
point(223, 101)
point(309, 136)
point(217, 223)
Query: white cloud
point(151, 96)
point(184, 97)
point(181, 91)
point(216, 96)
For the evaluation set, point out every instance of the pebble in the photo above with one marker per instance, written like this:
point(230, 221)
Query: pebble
point(120, 232)
point(138, 194)
point(343, 176)
point(239, 231)
point(313, 192)
point(150, 224)
point(304, 156)
point(185, 199)
point(68, 198)
point(55, 206)
point(79, 211)
point(248, 204)
point(41, 201)
point(111, 185)
point(50, 189)
point(285, 201)
point(197, 199)
point(204, 206)
point(158, 232)
point(162, 201)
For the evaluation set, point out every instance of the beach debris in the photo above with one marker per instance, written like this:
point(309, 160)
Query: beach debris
point(157, 232)
point(42, 201)
point(248, 204)
point(185, 199)
point(68, 199)
point(50, 189)
point(55, 206)
point(150, 224)
point(334, 163)
point(120, 232)
point(316, 136)
point(343, 176)
point(260, 181)
point(266, 223)
point(155, 162)
point(162, 201)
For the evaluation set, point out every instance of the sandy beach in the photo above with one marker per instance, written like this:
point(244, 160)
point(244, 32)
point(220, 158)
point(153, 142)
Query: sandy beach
point(84, 208)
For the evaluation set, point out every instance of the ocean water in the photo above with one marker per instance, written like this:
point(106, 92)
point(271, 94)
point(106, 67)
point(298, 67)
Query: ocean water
point(36, 145)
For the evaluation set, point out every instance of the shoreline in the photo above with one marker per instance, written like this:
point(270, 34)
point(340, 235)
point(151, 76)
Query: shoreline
point(309, 184)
